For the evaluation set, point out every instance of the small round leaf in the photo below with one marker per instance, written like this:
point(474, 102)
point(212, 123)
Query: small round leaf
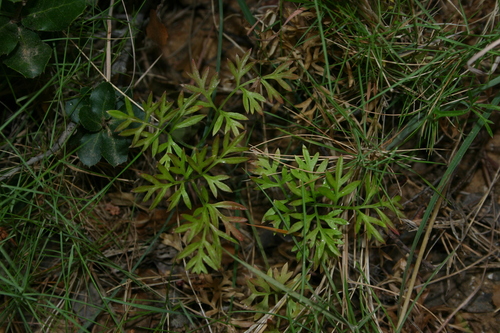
point(74, 106)
point(10, 35)
point(103, 99)
point(114, 148)
point(31, 56)
point(52, 15)
point(89, 120)
point(90, 151)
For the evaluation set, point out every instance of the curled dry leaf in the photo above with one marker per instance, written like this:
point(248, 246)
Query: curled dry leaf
point(173, 240)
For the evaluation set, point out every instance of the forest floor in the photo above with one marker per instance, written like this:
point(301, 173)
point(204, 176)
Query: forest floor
point(386, 88)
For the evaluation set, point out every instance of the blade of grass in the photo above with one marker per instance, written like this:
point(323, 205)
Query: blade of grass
point(247, 14)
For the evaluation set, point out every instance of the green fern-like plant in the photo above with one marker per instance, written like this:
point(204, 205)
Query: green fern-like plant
point(312, 206)
point(262, 292)
point(187, 174)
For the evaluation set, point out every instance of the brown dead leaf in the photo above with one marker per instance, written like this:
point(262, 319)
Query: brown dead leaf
point(156, 30)
point(173, 240)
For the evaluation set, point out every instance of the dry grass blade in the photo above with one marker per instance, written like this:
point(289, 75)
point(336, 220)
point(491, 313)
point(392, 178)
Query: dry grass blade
point(481, 53)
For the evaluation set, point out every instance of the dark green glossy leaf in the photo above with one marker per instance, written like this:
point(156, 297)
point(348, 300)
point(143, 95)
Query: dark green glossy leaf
point(102, 99)
point(52, 15)
point(73, 107)
point(31, 55)
point(89, 120)
point(90, 152)
point(114, 148)
point(9, 34)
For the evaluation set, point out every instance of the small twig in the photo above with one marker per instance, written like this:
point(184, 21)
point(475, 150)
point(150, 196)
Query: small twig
point(62, 139)
point(108, 41)
point(479, 55)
